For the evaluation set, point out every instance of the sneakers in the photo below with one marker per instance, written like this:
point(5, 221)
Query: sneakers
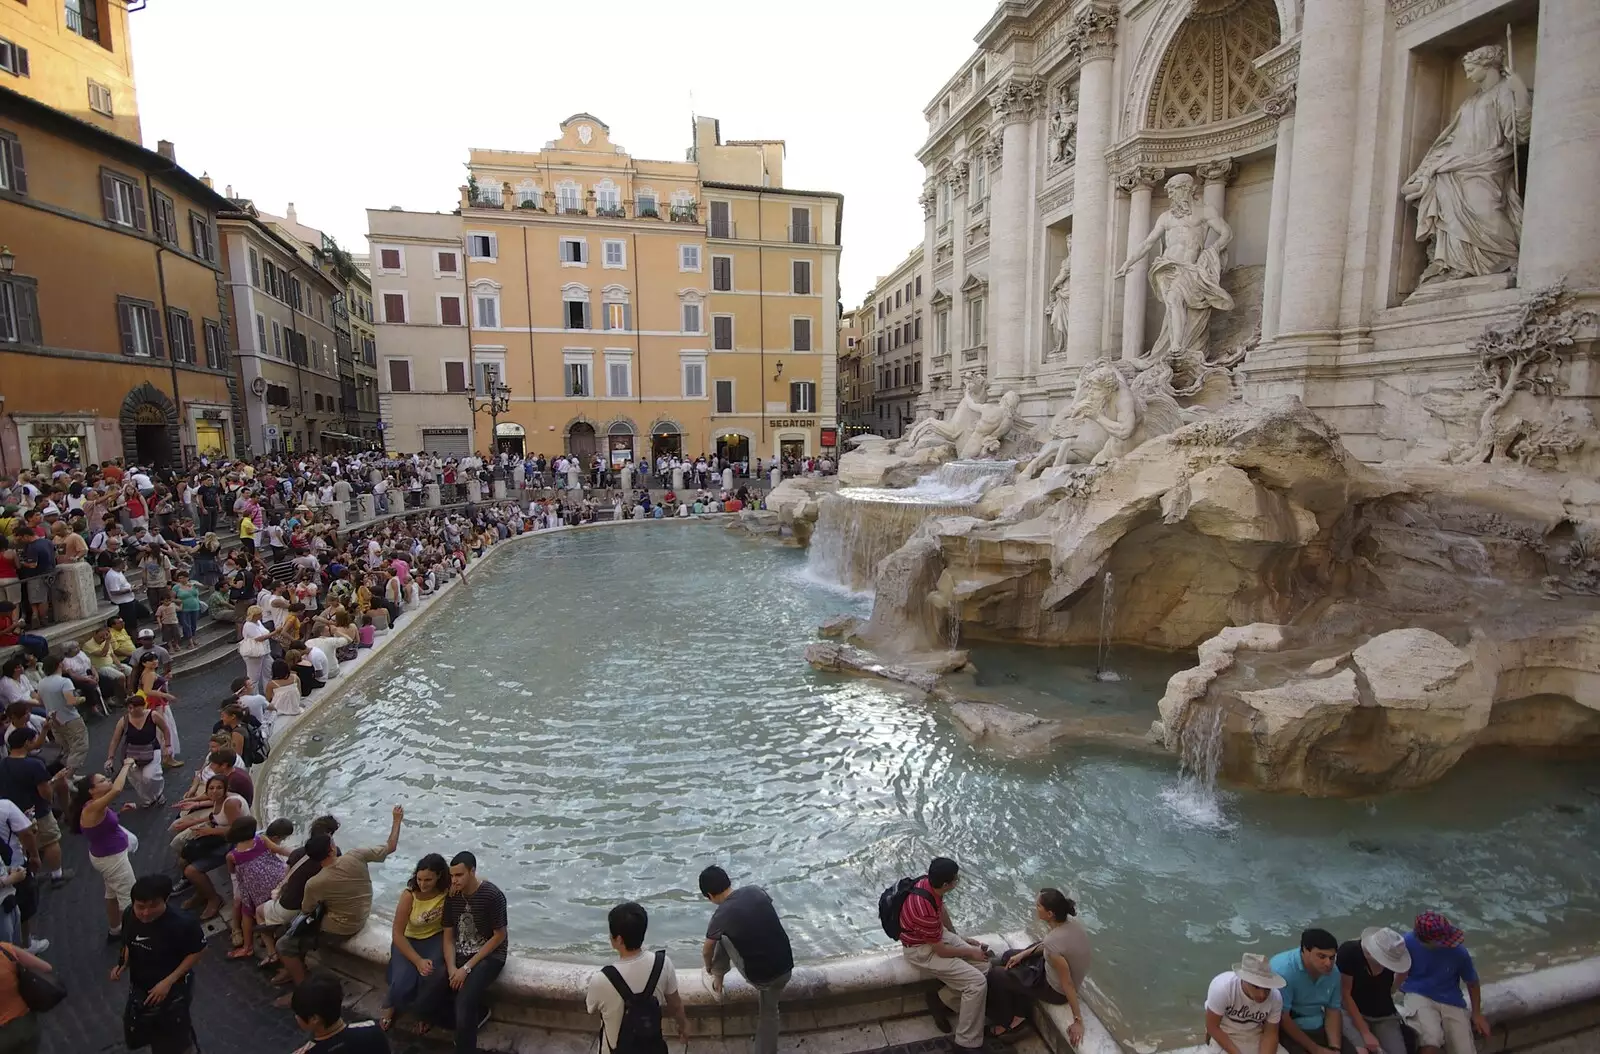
point(38, 945)
point(57, 881)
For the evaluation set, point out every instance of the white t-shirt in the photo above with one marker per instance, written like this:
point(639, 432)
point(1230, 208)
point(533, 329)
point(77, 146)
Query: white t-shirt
point(1242, 1017)
point(255, 706)
point(118, 591)
point(13, 821)
point(602, 998)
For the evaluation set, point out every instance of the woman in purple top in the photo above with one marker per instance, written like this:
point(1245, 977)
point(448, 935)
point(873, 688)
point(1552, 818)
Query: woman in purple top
point(110, 846)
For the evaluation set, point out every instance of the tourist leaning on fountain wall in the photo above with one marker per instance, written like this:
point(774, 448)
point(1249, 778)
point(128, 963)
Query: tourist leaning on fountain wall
point(1049, 971)
point(1440, 967)
point(746, 934)
point(475, 943)
point(1368, 969)
point(933, 947)
point(1244, 1010)
point(1311, 999)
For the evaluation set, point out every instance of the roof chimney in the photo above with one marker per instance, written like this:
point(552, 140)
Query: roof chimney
point(291, 215)
point(165, 148)
point(229, 194)
point(205, 177)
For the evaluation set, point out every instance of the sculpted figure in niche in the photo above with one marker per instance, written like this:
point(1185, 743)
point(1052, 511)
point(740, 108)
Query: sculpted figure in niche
point(932, 432)
point(1465, 190)
point(1186, 275)
point(995, 422)
point(1063, 130)
point(1115, 409)
point(1056, 309)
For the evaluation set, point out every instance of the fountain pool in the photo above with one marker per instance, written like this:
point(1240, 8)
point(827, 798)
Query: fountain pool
point(599, 714)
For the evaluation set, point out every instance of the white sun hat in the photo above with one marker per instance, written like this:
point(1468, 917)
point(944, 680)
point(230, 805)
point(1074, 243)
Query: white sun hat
point(1387, 947)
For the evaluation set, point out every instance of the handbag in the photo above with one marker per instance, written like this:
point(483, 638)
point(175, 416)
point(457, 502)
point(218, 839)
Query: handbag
point(143, 1024)
point(253, 648)
point(41, 992)
point(307, 925)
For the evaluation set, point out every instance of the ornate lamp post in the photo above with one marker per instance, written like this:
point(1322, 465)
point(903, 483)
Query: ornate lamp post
point(496, 403)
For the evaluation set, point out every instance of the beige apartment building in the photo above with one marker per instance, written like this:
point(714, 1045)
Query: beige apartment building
point(643, 308)
point(72, 55)
point(419, 295)
point(855, 376)
point(892, 318)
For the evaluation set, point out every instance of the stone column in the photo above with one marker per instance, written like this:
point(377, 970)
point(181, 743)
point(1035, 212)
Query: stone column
point(677, 480)
point(929, 202)
point(474, 492)
point(1139, 185)
point(498, 489)
point(1093, 36)
point(341, 514)
point(775, 477)
point(366, 509)
point(1319, 183)
point(574, 477)
point(430, 495)
point(73, 591)
point(1015, 105)
point(727, 479)
point(519, 476)
point(1560, 233)
point(1279, 104)
point(1215, 175)
point(958, 299)
point(627, 479)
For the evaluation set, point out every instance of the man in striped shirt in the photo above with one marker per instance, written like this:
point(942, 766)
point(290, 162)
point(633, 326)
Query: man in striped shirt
point(934, 948)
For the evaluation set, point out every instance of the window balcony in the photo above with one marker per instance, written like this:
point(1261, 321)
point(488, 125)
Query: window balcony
point(802, 235)
point(973, 354)
point(724, 229)
point(83, 18)
point(648, 211)
point(572, 210)
point(614, 212)
point(689, 213)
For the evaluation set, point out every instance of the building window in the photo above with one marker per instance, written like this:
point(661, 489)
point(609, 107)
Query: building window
point(528, 194)
point(577, 314)
point(100, 99)
point(722, 332)
point(487, 372)
point(482, 246)
point(488, 191)
point(449, 311)
point(255, 267)
point(802, 278)
point(261, 334)
point(277, 339)
point(802, 334)
point(975, 328)
point(19, 311)
point(896, 383)
point(165, 219)
point(574, 252)
point(916, 328)
point(619, 375)
point(722, 274)
point(205, 245)
point(941, 333)
point(645, 204)
point(394, 308)
point(803, 397)
point(980, 179)
point(897, 300)
point(724, 397)
point(607, 199)
point(618, 316)
point(488, 310)
point(916, 370)
point(944, 202)
point(137, 325)
point(122, 200)
point(399, 375)
point(391, 261)
point(800, 226)
point(616, 253)
point(83, 18)
point(691, 318)
point(721, 219)
point(578, 379)
point(216, 348)
point(455, 376)
point(694, 378)
point(13, 58)
point(180, 335)
point(569, 197)
point(444, 262)
point(13, 174)
point(919, 285)
point(688, 257)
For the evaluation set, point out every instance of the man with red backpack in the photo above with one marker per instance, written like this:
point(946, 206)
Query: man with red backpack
point(913, 911)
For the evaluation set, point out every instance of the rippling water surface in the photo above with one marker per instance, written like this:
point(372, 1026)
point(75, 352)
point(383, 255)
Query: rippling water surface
point(602, 713)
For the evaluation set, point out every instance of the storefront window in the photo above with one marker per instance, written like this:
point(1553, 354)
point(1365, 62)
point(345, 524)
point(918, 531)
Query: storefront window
point(52, 443)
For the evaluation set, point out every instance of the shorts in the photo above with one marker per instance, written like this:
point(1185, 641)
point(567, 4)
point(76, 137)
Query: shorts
point(206, 854)
point(38, 588)
point(116, 873)
point(170, 632)
point(298, 947)
point(48, 829)
point(274, 914)
point(1439, 1025)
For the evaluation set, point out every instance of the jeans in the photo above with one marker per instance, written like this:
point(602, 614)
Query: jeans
point(190, 621)
point(459, 1010)
point(1391, 1036)
point(768, 993)
point(404, 981)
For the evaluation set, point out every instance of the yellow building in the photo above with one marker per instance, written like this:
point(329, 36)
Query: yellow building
point(72, 55)
point(646, 308)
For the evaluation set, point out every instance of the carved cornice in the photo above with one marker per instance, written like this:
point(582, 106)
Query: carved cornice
point(1093, 34)
point(1235, 138)
point(1279, 103)
point(1140, 176)
point(1016, 100)
point(1217, 171)
point(1409, 11)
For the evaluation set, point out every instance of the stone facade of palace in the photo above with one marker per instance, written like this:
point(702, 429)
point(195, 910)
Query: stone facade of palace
point(1349, 201)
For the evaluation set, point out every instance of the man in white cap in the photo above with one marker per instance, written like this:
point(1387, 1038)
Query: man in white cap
point(1244, 1008)
point(1368, 971)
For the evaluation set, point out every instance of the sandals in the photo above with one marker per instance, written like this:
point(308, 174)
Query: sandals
point(386, 1019)
point(240, 952)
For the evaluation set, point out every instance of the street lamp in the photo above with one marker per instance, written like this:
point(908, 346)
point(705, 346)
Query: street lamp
point(497, 403)
point(8, 260)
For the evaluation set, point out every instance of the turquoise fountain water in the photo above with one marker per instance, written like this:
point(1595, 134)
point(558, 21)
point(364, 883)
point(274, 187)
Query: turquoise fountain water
point(601, 714)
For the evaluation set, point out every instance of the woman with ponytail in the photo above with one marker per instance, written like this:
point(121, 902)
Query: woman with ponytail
point(1050, 971)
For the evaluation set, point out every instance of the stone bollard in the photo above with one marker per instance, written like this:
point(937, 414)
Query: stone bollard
point(627, 479)
point(367, 509)
point(474, 492)
point(519, 476)
point(574, 479)
point(775, 477)
point(374, 476)
point(727, 480)
point(430, 495)
point(677, 481)
point(498, 489)
point(341, 513)
point(74, 592)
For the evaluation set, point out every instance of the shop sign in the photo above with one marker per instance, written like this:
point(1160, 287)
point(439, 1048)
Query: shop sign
point(792, 422)
point(830, 437)
point(211, 415)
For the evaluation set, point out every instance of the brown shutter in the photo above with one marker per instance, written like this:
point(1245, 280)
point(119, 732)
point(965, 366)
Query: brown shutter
point(455, 376)
point(22, 60)
point(399, 375)
point(27, 302)
point(450, 311)
point(139, 216)
point(108, 194)
point(394, 307)
point(19, 172)
point(125, 325)
point(158, 349)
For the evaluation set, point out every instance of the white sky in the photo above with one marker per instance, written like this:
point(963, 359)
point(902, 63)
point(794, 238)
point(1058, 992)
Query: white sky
point(341, 105)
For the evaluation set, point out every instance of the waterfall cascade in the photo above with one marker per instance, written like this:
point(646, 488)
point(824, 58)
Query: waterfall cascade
point(858, 526)
point(1108, 614)
point(1199, 759)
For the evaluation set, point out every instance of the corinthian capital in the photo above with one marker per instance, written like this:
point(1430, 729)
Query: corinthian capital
point(1140, 176)
point(1016, 99)
point(1279, 103)
point(960, 172)
point(1093, 34)
point(1216, 171)
point(927, 201)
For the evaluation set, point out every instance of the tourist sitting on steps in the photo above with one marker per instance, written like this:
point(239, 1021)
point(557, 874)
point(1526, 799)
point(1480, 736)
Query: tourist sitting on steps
point(474, 947)
point(1050, 971)
point(933, 947)
point(1243, 1008)
point(746, 933)
point(1367, 972)
point(416, 947)
point(1440, 967)
point(1311, 1002)
point(630, 993)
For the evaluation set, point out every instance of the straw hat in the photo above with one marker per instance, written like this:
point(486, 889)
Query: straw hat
point(1387, 948)
point(1255, 969)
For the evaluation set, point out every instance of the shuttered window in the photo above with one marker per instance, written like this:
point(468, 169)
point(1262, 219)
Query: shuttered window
point(449, 311)
point(200, 232)
point(180, 335)
point(455, 376)
point(122, 200)
point(13, 58)
point(255, 269)
point(394, 307)
point(722, 332)
point(724, 390)
point(399, 375)
point(138, 328)
point(19, 311)
point(803, 397)
point(389, 259)
point(13, 173)
point(618, 316)
point(722, 274)
point(216, 349)
point(802, 278)
point(802, 334)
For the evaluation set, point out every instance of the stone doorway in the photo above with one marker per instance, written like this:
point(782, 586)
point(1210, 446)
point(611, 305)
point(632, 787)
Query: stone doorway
point(150, 429)
point(581, 441)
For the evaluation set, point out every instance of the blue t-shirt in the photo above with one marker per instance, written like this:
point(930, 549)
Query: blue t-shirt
point(1438, 973)
point(1306, 997)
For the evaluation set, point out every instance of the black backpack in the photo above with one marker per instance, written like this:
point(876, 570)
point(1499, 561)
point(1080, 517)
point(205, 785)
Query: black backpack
point(255, 744)
point(640, 1029)
point(893, 899)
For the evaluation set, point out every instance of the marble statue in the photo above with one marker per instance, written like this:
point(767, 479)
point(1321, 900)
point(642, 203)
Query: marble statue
point(1063, 132)
point(1469, 208)
point(1186, 276)
point(932, 432)
point(994, 424)
point(1056, 309)
point(1117, 407)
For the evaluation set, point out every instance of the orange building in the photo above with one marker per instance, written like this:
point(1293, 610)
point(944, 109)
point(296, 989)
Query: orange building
point(73, 55)
point(113, 298)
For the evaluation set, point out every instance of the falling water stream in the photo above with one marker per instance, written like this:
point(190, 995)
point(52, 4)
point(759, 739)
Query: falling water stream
point(1108, 614)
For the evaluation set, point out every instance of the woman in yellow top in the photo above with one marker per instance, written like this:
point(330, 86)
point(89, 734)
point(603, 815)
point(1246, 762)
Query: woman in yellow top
point(363, 598)
point(418, 941)
point(247, 533)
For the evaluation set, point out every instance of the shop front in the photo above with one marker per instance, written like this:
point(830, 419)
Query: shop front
point(211, 429)
point(56, 438)
point(733, 446)
point(666, 440)
point(510, 439)
point(620, 443)
point(791, 436)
